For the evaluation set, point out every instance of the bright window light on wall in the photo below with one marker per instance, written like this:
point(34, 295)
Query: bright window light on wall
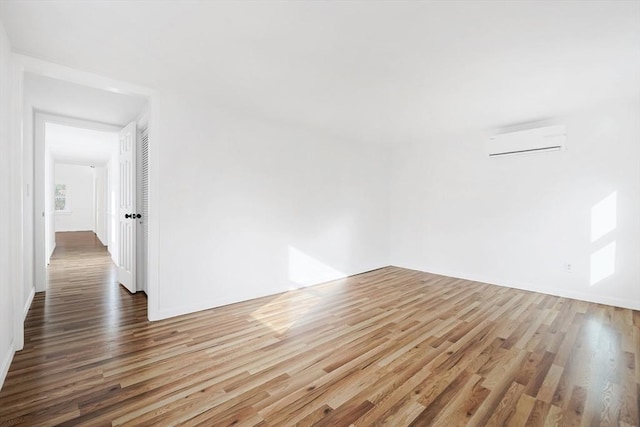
point(603, 216)
point(305, 270)
point(603, 263)
point(603, 223)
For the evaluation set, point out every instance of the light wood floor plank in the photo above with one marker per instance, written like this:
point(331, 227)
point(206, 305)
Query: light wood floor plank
point(389, 347)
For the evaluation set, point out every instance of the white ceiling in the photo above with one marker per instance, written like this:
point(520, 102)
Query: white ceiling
point(80, 146)
point(386, 70)
point(72, 100)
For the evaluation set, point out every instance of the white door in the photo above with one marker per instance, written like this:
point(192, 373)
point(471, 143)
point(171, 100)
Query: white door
point(127, 208)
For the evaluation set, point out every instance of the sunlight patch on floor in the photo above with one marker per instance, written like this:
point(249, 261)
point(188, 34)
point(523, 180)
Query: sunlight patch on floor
point(286, 310)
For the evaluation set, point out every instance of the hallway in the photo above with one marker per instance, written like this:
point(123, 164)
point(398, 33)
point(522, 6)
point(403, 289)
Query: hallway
point(70, 329)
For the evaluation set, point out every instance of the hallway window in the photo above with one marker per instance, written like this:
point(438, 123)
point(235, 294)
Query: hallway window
point(61, 197)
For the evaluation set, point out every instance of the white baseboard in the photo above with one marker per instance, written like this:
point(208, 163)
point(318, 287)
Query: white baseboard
point(53, 248)
point(6, 363)
point(226, 300)
point(564, 293)
point(99, 239)
point(27, 305)
point(204, 305)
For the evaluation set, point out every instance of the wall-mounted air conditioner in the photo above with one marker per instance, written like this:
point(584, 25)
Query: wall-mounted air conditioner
point(538, 140)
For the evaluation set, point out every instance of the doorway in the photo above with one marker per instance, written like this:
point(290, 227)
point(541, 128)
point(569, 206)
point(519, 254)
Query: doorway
point(86, 180)
point(75, 98)
point(80, 183)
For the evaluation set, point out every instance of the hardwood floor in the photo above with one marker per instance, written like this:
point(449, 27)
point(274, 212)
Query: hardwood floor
point(393, 346)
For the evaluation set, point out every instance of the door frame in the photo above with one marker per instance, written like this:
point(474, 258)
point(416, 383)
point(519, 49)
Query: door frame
point(41, 119)
point(26, 64)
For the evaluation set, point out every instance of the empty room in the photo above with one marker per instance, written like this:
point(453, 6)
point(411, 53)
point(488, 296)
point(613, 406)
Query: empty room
point(331, 213)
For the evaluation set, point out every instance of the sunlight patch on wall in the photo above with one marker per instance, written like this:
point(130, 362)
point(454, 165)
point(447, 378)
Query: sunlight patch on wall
point(603, 216)
point(305, 270)
point(603, 263)
point(603, 223)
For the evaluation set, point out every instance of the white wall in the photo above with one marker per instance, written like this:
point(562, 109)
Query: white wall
point(49, 203)
point(101, 190)
point(248, 209)
point(80, 209)
point(517, 221)
point(28, 201)
point(112, 203)
point(6, 290)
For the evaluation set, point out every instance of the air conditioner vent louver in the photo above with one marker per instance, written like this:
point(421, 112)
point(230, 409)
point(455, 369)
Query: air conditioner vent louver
point(549, 138)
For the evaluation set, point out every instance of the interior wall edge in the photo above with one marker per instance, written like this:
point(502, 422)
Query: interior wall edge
point(100, 240)
point(6, 362)
point(50, 254)
point(27, 304)
point(32, 64)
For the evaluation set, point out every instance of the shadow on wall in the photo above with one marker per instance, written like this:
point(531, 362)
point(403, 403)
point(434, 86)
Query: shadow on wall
point(603, 226)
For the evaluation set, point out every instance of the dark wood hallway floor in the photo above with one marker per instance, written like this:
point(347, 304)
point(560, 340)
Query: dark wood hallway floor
point(393, 346)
